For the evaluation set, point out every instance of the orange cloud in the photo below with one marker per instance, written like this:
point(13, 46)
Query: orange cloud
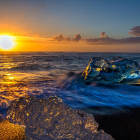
point(36, 35)
point(31, 39)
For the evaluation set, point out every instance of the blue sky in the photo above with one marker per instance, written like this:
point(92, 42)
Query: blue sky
point(91, 17)
point(69, 17)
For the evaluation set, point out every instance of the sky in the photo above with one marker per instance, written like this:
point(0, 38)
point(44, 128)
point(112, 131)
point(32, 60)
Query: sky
point(71, 25)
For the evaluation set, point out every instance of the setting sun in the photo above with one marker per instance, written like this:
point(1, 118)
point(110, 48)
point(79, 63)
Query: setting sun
point(6, 42)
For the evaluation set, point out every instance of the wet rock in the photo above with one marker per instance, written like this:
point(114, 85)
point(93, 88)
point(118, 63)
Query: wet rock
point(110, 71)
point(102, 136)
point(52, 120)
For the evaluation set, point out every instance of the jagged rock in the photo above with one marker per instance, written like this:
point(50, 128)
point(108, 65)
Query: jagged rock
point(52, 120)
point(115, 70)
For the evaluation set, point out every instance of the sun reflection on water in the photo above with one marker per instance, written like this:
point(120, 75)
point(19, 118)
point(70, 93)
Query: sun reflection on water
point(14, 85)
point(7, 78)
point(10, 91)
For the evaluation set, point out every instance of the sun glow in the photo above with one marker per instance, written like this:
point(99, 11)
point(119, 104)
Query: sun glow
point(6, 42)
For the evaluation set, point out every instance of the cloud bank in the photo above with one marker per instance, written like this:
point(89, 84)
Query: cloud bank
point(102, 40)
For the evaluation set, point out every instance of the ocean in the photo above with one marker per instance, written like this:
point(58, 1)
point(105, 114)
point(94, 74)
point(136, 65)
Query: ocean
point(42, 74)
point(115, 106)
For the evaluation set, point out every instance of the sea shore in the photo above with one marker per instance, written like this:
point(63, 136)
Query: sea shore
point(121, 124)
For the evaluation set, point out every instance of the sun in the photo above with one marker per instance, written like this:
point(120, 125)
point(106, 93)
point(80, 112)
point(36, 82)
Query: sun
point(6, 42)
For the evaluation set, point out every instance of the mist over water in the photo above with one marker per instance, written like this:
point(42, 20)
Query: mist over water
point(43, 74)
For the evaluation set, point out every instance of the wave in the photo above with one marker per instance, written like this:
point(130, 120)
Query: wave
point(100, 95)
point(72, 88)
point(74, 92)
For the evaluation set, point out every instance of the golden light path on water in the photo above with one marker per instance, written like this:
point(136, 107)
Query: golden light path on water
point(14, 85)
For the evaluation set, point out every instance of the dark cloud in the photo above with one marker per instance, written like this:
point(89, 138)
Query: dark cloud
point(108, 40)
point(60, 37)
point(103, 35)
point(77, 37)
point(100, 40)
point(135, 31)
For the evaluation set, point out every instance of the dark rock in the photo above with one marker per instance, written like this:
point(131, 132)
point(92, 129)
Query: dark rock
point(50, 119)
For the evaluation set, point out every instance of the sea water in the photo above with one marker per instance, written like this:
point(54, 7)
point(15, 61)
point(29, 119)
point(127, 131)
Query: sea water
point(42, 74)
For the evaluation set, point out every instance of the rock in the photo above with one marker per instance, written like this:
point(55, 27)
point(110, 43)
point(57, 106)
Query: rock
point(112, 71)
point(52, 120)
point(102, 136)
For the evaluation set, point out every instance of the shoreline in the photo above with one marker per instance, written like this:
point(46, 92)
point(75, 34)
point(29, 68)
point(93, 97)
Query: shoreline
point(124, 124)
